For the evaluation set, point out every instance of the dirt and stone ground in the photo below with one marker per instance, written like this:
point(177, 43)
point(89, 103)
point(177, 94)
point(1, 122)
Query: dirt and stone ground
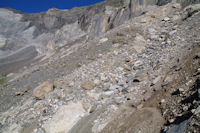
point(142, 76)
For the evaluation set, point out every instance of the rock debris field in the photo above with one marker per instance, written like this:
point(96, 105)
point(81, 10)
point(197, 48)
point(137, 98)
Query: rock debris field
point(140, 77)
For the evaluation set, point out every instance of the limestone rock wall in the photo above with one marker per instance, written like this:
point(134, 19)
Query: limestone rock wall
point(61, 27)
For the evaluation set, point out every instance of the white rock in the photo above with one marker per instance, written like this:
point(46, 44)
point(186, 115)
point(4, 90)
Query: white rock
point(108, 93)
point(103, 40)
point(166, 19)
point(115, 52)
point(163, 101)
point(181, 89)
point(139, 43)
point(93, 95)
point(176, 5)
point(138, 63)
point(65, 118)
point(96, 82)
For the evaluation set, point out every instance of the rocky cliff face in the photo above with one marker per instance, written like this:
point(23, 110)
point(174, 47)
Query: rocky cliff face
point(55, 28)
point(50, 31)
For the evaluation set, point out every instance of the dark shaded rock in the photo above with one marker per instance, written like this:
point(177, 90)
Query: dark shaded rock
point(125, 90)
point(14, 61)
point(1, 126)
point(136, 80)
point(163, 2)
point(178, 128)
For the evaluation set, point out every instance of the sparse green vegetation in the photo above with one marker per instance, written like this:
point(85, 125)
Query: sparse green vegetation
point(115, 3)
point(118, 41)
point(2, 79)
point(119, 34)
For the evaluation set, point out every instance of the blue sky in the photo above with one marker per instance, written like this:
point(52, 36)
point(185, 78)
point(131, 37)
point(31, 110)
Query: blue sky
point(33, 6)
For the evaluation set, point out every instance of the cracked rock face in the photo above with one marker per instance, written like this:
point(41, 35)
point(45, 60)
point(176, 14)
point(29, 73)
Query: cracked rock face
point(119, 81)
point(21, 29)
point(52, 30)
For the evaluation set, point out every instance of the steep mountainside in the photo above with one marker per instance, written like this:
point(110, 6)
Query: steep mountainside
point(63, 26)
point(119, 66)
point(54, 29)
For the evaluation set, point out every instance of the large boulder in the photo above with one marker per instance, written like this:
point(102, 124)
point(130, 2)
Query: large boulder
point(65, 118)
point(42, 90)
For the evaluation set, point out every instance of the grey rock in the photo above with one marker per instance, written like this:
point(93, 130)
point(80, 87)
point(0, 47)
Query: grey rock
point(138, 63)
point(53, 29)
point(106, 87)
point(157, 87)
point(40, 131)
point(154, 37)
point(129, 78)
point(114, 87)
point(197, 110)
point(18, 59)
point(192, 9)
point(163, 2)
point(40, 27)
point(4, 53)
point(1, 126)
point(156, 80)
point(136, 103)
point(176, 18)
point(125, 90)
point(164, 83)
point(178, 128)
point(14, 128)
point(172, 32)
point(183, 2)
